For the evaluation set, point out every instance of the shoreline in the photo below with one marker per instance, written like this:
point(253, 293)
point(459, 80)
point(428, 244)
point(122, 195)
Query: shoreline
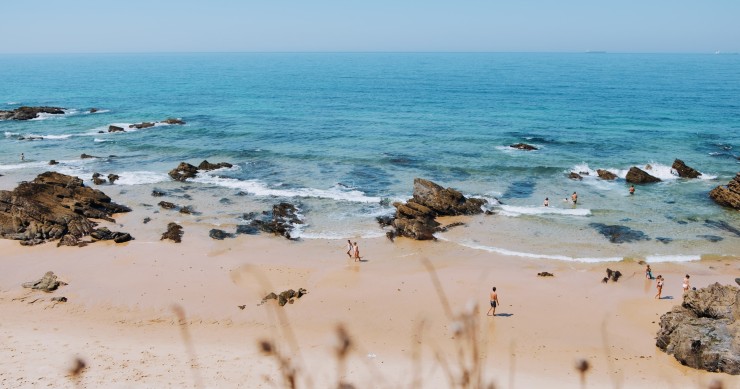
point(127, 292)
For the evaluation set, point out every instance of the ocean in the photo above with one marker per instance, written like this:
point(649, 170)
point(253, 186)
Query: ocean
point(342, 134)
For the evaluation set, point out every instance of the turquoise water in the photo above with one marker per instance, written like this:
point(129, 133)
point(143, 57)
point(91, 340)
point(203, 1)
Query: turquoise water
point(336, 133)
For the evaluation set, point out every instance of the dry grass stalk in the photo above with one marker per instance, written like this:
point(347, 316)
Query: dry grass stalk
point(76, 371)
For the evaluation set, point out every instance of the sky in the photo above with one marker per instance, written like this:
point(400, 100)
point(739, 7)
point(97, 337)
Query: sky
point(86, 26)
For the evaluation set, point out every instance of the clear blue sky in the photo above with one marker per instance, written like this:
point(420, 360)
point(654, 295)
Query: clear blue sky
point(74, 26)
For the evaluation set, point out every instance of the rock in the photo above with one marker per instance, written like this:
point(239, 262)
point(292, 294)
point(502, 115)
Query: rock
point(47, 283)
point(606, 175)
point(619, 234)
point(112, 128)
point(97, 180)
point(53, 162)
point(68, 240)
point(247, 229)
point(279, 221)
point(27, 113)
point(113, 177)
point(575, 176)
point(87, 156)
point(173, 121)
point(545, 274)
point(51, 206)
point(728, 195)
point(616, 275)
point(93, 110)
point(167, 205)
point(704, 331)
point(683, 170)
point(385, 220)
point(183, 171)
point(205, 165)
point(174, 233)
point(219, 234)
point(147, 220)
point(449, 226)
point(61, 299)
point(637, 176)
point(737, 281)
point(187, 210)
point(722, 225)
point(523, 146)
point(140, 126)
point(157, 193)
point(271, 296)
point(104, 233)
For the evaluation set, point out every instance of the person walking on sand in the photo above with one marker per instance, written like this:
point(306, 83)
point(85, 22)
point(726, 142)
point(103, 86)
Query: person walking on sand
point(494, 303)
point(356, 252)
point(547, 202)
point(350, 248)
point(659, 286)
point(632, 189)
point(648, 273)
point(686, 284)
point(574, 198)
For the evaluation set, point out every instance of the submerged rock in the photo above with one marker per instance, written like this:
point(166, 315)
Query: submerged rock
point(722, 225)
point(638, 176)
point(523, 146)
point(113, 128)
point(704, 331)
point(28, 113)
point(728, 195)
point(280, 221)
point(619, 234)
point(173, 121)
point(140, 126)
point(174, 233)
point(575, 176)
point(683, 170)
point(205, 165)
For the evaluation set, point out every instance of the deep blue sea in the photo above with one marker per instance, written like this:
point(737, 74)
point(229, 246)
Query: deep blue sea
point(337, 133)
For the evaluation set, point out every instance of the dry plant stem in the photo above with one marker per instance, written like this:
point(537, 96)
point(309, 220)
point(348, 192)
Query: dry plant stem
point(188, 341)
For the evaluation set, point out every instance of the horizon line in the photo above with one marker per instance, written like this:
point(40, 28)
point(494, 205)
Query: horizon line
point(716, 52)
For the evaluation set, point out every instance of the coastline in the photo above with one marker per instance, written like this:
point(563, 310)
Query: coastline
point(119, 316)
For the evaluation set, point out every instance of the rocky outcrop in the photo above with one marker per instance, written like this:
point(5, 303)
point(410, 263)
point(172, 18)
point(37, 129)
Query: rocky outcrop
point(28, 113)
point(113, 128)
point(416, 218)
point(51, 206)
point(280, 221)
point(106, 234)
point(523, 146)
point(683, 170)
point(174, 233)
point(205, 165)
point(704, 331)
point(606, 175)
point(285, 297)
point(47, 283)
point(575, 176)
point(728, 195)
point(183, 171)
point(638, 176)
point(173, 121)
point(140, 126)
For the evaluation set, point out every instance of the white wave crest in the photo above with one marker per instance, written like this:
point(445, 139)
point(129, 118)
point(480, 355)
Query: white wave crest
point(141, 177)
point(98, 140)
point(512, 210)
point(672, 258)
point(9, 134)
point(497, 250)
point(258, 188)
point(24, 165)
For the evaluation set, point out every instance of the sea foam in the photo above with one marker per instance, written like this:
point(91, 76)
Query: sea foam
point(512, 253)
point(512, 210)
point(141, 178)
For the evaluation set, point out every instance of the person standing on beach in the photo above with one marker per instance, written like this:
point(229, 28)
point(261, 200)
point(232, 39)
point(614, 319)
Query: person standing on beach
point(349, 248)
point(494, 303)
point(686, 284)
point(648, 273)
point(659, 286)
point(356, 252)
point(547, 202)
point(574, 198)
point(632, 189)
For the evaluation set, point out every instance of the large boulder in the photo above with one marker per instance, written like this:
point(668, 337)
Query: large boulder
point(51, 206)
point(183, 171)
point(27, 113)
point(704, 331)
point(683, 170)
point(638, 176)
point(47, 283)
point(606, 175)
point(523, 146)
point(728, 195)
point(205, 165)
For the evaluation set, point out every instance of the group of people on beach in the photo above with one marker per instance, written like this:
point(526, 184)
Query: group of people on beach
point(660, 281)
point(353, 250)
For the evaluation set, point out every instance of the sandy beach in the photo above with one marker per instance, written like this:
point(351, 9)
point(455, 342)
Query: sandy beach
point(121, 317)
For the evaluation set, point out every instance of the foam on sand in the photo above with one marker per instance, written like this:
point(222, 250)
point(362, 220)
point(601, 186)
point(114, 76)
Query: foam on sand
point(514, 211)
point(511, 253)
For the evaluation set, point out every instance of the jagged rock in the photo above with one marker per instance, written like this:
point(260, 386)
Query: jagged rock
point(247, 229)
point(183, 171)
point(638, 176)
point(704, 331)
point(174, 233)
point(219, 234)
point(575, 176)
point(87, 156)
point(523, 146)
point(157, 193)
point(173, 121)
point(167, 205)
point(147, 220)
point(205, 165)
point(606, 175)
point(27, 113)
point(385, 221)
point(728, 195)
point(53, 162)
point(60, 299)
point(683, 170)
point(51, 206)
point(187, 210)
point(140, 126)
point(97, 180)
point(68, 240)
point(271, 296)
point(279, 221)
point(113, 177)
point(113, 128)
point(106, 234)
point(545, 274)
point(47, 283)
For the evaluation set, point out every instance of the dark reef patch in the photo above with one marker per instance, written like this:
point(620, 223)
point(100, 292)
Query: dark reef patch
point(619, 234)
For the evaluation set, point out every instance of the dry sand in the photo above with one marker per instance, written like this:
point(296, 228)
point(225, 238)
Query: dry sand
point(121, 318)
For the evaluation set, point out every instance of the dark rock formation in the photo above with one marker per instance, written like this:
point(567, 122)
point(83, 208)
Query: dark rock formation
point(27, 113)
point(87, 156)
point(416, 218)
point(93, 110)
point(523, 146)
point(61, 299)
point(205, 165)
point(53, 162)
point(187, 210)
point(146, 220)
point(173, 121)
point(106, 234)
point(728, 195)
point(140, 126)
point(219, 234)
point(575, 176)
point(113, 177)
point(619, 234)
point(285, 297)
point(47, 283)
point(279, 221)
point(704, 331)
point(51, 206)
point(112, 128)
point(167, 205)
point(183, 171)
point(545, 274)
point(247, 229)
point(606, 175)
point(174, 233)
point(722, 225)
point(683, 170)
point(385, 220)
point(97, 180)
point(157, 193)
point(638, 176)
